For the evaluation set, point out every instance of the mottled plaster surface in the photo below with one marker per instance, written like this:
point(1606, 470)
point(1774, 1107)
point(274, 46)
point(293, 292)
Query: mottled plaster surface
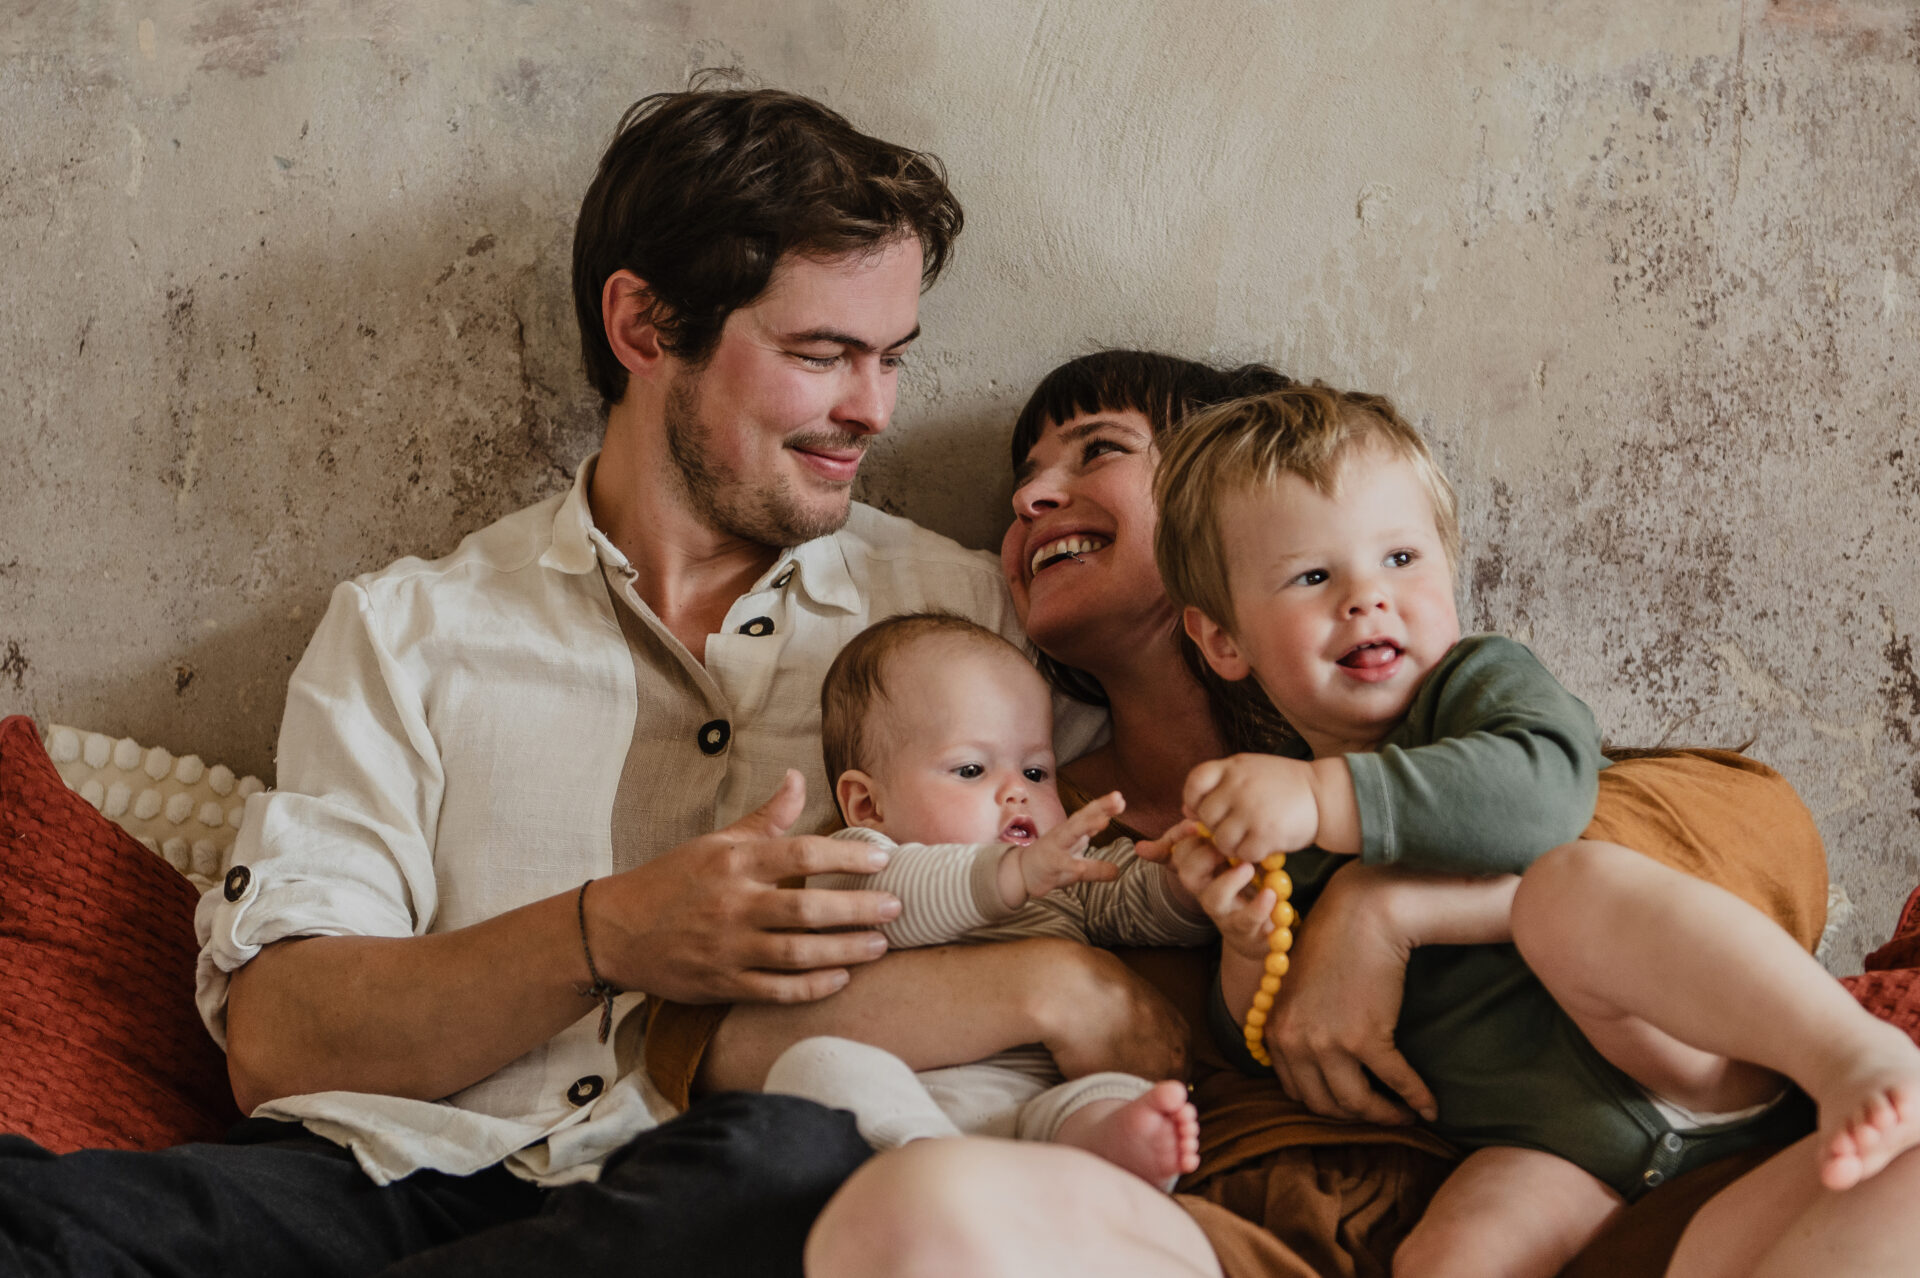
point(286, 298)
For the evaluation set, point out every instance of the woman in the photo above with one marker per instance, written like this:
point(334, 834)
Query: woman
point(1308, 1194)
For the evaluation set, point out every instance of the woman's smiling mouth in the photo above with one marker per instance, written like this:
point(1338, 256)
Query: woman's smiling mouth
point(1069, 547)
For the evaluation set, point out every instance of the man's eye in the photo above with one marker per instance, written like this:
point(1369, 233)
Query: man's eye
point(1035, 775)
point(893, 362)
point(818, 361)
point(970, 771)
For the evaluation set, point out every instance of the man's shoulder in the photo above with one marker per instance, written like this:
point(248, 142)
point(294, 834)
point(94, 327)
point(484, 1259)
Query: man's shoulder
point(508, 545)
point(879, 537)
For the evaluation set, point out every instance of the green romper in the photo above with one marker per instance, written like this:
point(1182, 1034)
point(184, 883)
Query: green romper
point(1495, 764)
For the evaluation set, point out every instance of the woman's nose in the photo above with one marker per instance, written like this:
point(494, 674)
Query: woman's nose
point(1036, 495)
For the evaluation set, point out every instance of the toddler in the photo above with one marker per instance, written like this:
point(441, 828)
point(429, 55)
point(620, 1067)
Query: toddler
point(1312, 541)
point(938, 735)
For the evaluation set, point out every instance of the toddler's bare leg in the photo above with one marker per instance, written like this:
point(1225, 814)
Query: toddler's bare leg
point(1681, 984)
point(1506, 1213)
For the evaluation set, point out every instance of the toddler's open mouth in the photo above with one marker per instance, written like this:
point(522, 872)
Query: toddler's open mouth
point(1372, 661)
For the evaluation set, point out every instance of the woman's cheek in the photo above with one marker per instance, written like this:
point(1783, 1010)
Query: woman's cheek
point(1013, 552)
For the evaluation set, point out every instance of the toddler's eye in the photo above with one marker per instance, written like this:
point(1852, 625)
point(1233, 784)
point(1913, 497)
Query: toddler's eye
point(1400, 558)
point(1035, 775)
point(970, 771)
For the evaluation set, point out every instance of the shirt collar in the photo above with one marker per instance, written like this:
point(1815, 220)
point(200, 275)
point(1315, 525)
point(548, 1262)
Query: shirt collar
point(577, 546)
point(819, 566)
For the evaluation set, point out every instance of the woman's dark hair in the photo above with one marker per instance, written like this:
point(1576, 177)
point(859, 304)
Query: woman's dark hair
point(1164, 389)
point(702, 193)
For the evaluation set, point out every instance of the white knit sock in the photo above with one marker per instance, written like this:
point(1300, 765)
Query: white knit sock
point(888, 1103)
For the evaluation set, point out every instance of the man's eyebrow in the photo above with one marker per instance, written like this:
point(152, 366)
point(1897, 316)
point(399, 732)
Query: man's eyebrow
point(833, 336)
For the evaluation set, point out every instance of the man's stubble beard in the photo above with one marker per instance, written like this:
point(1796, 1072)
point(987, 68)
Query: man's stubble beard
point(769, 515)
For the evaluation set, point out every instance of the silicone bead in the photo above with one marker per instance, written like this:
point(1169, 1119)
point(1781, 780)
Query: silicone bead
point(1257, 1017)
point(1283, 963)
point(1270, 983)
point(99, 749)
point(127, 754)
point(158, 763)
point(1282, 940)
point(1262, 1001)
point(1276, 964)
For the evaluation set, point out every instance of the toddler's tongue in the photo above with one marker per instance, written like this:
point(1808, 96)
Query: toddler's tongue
point(1371, 656)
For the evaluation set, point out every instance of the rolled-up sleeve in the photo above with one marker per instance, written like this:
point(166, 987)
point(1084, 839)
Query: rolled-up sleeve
point(343, 847)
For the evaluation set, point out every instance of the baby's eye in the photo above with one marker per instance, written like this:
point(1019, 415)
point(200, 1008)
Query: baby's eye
point(970, 771)
point(1311, 577)
point(1035, 775)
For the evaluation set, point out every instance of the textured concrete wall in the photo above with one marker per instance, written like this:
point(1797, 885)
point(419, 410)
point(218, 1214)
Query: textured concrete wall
point(285, 297)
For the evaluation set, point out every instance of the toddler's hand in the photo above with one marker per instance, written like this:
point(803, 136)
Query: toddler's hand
point(1057, 858)
point(1254, 804)
point(1225, 891)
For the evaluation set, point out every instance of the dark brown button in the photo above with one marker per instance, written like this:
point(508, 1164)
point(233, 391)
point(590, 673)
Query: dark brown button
point(758, 626)
point(585, 1089)
point(714, 735)
point(239, 878)
point(780, 582)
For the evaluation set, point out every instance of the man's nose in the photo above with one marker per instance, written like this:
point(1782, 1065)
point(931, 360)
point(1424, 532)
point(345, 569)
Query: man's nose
point(866, 397)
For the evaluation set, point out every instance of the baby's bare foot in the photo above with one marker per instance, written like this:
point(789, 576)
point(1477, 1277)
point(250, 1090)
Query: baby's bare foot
point(1870, 1112)
point(1155, 1136)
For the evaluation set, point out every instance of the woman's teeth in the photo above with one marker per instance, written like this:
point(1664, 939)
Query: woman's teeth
point(1065, 548)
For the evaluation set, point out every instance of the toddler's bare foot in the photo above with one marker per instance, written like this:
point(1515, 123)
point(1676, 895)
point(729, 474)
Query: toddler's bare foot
point(1871, 1111)
point(1155, 1136)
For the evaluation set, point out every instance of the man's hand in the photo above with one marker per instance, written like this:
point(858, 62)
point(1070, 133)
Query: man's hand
point(1334, 1017)
point(709, 922)
point(1058, 858)
point(1254, 804)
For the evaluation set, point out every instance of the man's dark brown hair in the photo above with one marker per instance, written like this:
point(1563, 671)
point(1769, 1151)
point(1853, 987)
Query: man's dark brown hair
point(703, 192)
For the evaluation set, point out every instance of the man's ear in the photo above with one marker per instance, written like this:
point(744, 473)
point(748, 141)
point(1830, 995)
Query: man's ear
point(859, 799)
point(627, 311)
point(1216, 645)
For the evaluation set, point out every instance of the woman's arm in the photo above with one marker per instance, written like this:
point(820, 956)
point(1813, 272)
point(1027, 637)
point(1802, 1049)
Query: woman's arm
point(957, 1004)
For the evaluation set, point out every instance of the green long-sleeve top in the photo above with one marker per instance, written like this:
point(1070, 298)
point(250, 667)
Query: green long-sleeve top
point(1494, 764)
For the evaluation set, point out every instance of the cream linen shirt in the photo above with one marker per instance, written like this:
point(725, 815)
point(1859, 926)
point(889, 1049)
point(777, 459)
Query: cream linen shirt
point(453, 742)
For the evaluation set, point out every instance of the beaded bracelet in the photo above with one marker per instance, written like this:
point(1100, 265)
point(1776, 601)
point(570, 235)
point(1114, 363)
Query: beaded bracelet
point(1278, 943)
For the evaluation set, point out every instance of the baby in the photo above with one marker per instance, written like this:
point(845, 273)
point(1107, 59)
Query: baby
point(939, 736)
point(1312, 541)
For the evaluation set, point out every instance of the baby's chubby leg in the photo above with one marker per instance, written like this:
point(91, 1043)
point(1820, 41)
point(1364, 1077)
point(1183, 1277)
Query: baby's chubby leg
point(888, 1102)
point(1506, 1213)
point(1150, 1129)
point(1682, 984)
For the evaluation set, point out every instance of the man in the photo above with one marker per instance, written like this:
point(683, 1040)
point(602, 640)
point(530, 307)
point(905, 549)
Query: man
point(525, 787)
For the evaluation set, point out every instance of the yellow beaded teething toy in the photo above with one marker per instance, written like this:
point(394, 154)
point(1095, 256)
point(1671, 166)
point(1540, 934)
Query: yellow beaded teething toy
point(1281, 940)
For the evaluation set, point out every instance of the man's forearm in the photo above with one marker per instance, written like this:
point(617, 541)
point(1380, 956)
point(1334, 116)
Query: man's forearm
point(420, 1017)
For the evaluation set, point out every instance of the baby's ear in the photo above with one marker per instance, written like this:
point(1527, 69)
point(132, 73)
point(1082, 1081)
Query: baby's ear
point(859, 800)
point(1216, 645)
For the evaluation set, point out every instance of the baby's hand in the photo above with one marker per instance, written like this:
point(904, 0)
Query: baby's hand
point(1254, 804)
point(1224, 890)
point(1057, 858)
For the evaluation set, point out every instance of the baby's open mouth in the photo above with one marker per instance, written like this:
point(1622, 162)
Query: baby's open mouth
point(1066, 548)
point(1020, 830)
point(1371, 655)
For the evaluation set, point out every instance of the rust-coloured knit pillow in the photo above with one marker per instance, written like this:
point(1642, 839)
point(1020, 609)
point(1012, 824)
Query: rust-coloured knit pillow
point(100, 1045)
point(1890, 987)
